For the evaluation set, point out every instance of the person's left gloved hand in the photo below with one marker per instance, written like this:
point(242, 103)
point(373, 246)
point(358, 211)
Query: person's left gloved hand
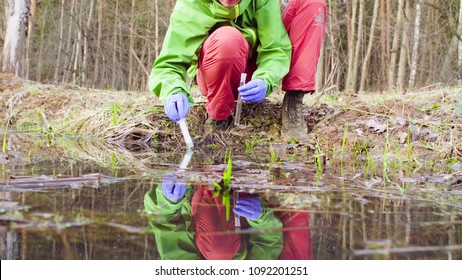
point(253, 91)
point(249, 207)
point(172, 188)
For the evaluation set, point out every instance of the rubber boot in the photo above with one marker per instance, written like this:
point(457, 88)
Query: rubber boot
point(293, 120)
point(222, 125)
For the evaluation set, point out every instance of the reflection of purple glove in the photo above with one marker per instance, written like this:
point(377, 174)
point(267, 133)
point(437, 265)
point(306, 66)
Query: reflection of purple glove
point(249, 207)
point(172, 188)
point(253, 91)
point(176, 107)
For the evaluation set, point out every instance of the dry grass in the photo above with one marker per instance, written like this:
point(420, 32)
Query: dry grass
point(432, 117)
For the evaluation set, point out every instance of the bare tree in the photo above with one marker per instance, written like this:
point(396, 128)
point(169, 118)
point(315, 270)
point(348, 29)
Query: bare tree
point(415, 49)
point(370, 45)
point(404, 50)
point(448, 69)
point(114, 53)
point(113, 43)
point(351, 46)
point(459, 31)
point(359, 41)
point(18, 12)
point(30, 34)
point(61, 41)
point(156, 38)
point(131, 44)
point(85, 43)
point(99, 36)
point(395, 46)
point(68, 55)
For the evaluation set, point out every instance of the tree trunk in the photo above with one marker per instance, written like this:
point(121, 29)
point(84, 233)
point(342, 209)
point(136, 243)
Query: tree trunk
point(131, 46)
point(61, 42)
point(86, 34)
point(30, 34)
point(40, 49)
point(383, 36)
point(394, 50)
point(96, 76)
point(18, 12)
point(76, 77)
point(403, 58)
point(114, 51)
point(359, 42)
point(447, 71)
point(459, 31)
point(351, 49)
point(364, 73)
point(156, 36)
point(415, 49)
point(68, 60)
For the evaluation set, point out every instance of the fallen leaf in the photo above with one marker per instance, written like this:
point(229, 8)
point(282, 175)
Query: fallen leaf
point(376, 126)
point(402, 137)
point(4, 158)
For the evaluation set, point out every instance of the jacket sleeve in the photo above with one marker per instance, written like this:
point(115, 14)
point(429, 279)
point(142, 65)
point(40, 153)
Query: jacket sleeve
point(170, 223)
point(184, 37)
point(265, 244)
point(274, 50)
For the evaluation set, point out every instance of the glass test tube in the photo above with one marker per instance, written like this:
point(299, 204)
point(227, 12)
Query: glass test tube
point(185, 132)
point(237, 116)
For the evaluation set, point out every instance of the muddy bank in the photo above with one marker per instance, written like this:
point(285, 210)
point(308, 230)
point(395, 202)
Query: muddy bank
point(421, 124)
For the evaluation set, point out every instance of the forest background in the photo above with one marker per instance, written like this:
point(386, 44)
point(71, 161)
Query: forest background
point(111, 44)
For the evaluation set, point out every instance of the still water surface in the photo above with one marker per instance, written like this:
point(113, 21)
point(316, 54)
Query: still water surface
point(55, 206)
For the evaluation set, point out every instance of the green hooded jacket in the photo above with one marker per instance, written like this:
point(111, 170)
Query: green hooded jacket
point(171, 225)
point(191, 23)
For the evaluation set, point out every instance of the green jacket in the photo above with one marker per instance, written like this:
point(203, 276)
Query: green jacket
point(171, 224)
point(190, 23)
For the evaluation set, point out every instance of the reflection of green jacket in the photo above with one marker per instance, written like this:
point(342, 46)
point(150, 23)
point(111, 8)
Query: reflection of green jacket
point(175, 239)
point(190, 23)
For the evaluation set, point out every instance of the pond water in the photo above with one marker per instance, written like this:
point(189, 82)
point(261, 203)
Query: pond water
point(57, 205)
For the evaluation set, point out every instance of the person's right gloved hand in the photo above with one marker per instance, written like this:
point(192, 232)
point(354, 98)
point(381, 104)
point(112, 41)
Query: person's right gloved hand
point(173, 188)
point(177, 106)
point(248, 207)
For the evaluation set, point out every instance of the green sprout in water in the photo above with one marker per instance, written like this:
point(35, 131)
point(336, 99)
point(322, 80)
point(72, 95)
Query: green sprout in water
point(249, 144)
point(345, 133)
point(4, 143)
point(272, 154)
point(385, 156)
point(319, 154)
point(223, 188)
point(4, 136)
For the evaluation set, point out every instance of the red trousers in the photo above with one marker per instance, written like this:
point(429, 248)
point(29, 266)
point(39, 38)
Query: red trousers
point(224, 56)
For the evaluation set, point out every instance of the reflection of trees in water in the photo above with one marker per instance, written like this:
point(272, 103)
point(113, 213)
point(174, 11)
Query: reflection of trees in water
point(112, 227)
point(358, 228)
point(10, 246)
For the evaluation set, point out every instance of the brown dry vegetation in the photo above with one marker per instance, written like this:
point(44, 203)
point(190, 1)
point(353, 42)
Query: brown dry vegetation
point(425, 123)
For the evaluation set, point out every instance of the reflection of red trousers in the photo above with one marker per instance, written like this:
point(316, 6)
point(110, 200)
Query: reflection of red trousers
point(297, 236)
point(209, 221)
point(224, 56)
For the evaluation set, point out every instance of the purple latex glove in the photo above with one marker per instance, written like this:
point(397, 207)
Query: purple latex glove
point(173, 188)
point(249, 207)
point(253, 91)
point(177, 107)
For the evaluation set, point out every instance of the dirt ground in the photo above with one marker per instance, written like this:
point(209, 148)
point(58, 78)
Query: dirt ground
point(423, 123)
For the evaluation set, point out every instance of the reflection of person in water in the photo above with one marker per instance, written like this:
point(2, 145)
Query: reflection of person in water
point(199, 230)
